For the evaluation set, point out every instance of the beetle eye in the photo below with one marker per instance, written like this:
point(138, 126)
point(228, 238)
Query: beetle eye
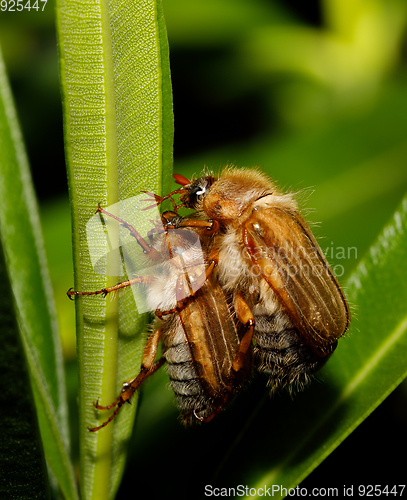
point(198, 190)
point(197, 193)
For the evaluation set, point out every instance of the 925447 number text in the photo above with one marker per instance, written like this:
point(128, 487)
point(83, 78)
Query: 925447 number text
point(378, 490)
point(20, 5)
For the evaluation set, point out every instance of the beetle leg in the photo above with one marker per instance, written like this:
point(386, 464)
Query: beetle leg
point(157, 199)
point(148, 367)
point(179, 179)
point(245, 317)
point(211, 226)
point(156, 365)
point(149, 250)
point(104, 291)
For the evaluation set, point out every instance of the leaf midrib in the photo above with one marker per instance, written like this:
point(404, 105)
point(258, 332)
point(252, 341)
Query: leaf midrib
point(102, 471)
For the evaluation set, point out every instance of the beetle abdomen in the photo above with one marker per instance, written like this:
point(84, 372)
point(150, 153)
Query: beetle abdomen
point(281, 354)
point(185, 381)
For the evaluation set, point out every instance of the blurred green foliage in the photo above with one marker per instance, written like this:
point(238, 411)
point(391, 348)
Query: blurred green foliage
point(314, 93)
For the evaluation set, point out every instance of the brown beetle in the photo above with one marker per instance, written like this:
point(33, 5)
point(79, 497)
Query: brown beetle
point(267, 254)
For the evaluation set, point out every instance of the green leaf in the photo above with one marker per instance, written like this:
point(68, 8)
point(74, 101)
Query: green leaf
point(117, 102)
point(35, 310)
